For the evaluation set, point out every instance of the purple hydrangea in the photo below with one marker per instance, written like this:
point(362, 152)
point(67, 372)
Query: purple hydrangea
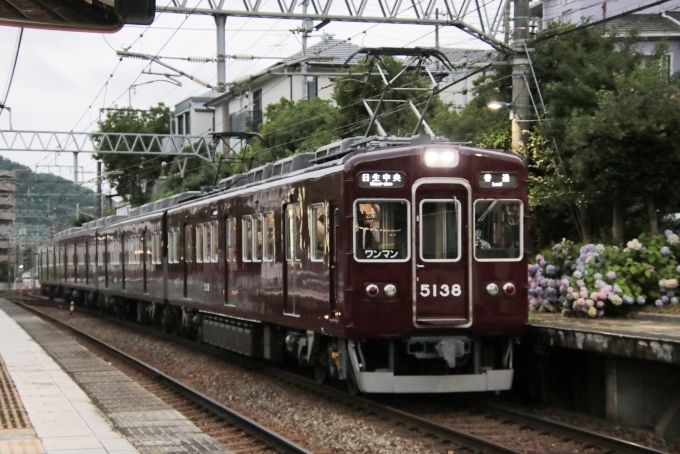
point(552, 270)
point(597, 276)
point(641, 300)
point(628, 299)
point(611, 275)
point(580, 283)
point(658, 303)
point(542, 262)
point(665, 250)
point(664, 299)
point(533, 269)
point(668, 232)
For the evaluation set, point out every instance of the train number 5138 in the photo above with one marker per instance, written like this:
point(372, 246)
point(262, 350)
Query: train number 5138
point(440, 290)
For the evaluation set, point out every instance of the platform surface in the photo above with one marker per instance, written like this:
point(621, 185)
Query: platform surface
point(650, 337)
point(61, 417)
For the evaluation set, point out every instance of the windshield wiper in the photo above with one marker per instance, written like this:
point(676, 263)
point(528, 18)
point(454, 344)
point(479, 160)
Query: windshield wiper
point(488, 210)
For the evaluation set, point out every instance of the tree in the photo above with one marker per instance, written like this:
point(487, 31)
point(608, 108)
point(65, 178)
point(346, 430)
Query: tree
point(628, 150)
point(135, 167)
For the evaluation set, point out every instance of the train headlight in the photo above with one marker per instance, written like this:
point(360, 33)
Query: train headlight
point(492, 289)
point(509, 289)
point(443, 158)
point(390, 290)
point(372, 290)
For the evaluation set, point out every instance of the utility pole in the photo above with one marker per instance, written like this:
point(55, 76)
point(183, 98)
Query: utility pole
point(75, 168)
point(306, 29)
point(520, 108)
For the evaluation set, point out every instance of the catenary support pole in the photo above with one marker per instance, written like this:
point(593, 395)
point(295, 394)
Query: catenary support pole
point(75, 168)
point(220, 23)
point(99, 189)
point(520, 91)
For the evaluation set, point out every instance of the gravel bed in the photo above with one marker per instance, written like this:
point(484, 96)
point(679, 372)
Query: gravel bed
point(318, 424)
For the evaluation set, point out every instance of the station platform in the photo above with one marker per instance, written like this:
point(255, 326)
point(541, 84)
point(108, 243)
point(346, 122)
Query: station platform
point(43, 410)
point(56, 397)
point(647, 336)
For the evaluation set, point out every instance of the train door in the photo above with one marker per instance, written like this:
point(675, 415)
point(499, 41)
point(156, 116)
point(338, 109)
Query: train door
point(442, 259)
point(292, 223)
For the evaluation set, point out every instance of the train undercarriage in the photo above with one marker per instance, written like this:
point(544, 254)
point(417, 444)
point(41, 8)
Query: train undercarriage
point(427, 364)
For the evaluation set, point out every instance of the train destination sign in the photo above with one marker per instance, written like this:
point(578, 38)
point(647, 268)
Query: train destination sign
point(497, 180)
point(381, 179)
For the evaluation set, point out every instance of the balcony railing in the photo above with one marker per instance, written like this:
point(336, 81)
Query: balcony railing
point(246, 120)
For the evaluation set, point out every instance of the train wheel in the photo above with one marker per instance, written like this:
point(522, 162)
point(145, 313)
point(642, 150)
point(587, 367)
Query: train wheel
point(320, 374)
point(352, 385)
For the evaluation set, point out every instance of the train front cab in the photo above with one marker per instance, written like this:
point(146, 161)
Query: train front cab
point(439, 274)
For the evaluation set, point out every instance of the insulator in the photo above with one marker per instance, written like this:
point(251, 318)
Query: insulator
point(240, 80)
point(200, 81)
point(242, 57)
point(199, 59)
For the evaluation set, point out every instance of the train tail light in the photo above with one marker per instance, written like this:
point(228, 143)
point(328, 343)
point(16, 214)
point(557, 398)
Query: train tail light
point(509, 289)
point(372, 290)
point(492, 289)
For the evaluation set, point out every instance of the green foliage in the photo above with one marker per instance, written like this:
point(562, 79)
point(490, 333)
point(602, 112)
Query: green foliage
point(135, 167)
point(293, 127)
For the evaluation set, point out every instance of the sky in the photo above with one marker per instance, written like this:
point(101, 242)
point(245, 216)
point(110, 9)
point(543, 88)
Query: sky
point(64, 79)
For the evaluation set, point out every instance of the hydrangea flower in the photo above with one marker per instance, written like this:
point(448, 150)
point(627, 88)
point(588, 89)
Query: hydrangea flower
point(616, 289)
point(634, 245)
point(674, 300)
point(673, 240)
point(600, 303)
point(615, 299)
point(670, 293)
point(589, 303)
point(542, 262)
point(593, 296)
point(552, 270)
point(628, 299)
point(578, 275)
point(664, 299)
point(665, 250)
point(599, 248)
point(580, 283)
point(590, 260)
point(668, 232)
point(658, 303)
point(597, 277)
point(641, 300)
point(592, 312)
point(668, 283)
point(611, 275)
point(533, 269)
point(602, 296)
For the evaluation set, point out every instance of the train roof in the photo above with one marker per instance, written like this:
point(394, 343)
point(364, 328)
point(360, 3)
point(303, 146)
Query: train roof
point(322, 158)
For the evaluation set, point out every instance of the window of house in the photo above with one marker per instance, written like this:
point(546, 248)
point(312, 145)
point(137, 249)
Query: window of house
point(292, 231)
point(312, 87)
point(317, 232)
point(247, 238)
point(270, 237)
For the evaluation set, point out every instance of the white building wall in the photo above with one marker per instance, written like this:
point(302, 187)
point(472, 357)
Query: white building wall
point(201, 122)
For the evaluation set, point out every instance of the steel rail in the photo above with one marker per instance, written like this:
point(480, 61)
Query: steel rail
point(256, 430)
point(425, 426)
point(572, 432)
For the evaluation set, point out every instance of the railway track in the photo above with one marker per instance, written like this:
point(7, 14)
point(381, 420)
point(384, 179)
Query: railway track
point(235, 431)
point(486, 429)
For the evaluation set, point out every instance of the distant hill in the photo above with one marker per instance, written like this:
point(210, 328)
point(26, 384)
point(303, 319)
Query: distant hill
point(46, 192)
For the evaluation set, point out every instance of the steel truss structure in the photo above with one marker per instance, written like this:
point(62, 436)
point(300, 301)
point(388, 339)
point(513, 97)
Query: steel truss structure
point(107, 143)
point(482, 19)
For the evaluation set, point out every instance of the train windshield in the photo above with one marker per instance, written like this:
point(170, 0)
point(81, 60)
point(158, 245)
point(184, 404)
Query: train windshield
point(381, 230)
point(498, 230)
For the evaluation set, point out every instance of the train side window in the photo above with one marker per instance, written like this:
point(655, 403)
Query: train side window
point(247, 238)
point(498, 230)
point(381, 230)
point(171, 250)
point(214, 252)
point(174, 245)
point(157, 260)
point(440, 230)
point(317, 232)
point(188, 243)
point(292, 232)
point(231, 239)
point(199, 243)
point(207, 242)
point(258, 237)
point(270, 237)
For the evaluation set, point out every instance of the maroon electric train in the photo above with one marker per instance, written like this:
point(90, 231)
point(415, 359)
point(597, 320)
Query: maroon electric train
point(397, 265)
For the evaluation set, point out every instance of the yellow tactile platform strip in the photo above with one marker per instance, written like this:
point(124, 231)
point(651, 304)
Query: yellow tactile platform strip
point(16, 434)
point(12, 412)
